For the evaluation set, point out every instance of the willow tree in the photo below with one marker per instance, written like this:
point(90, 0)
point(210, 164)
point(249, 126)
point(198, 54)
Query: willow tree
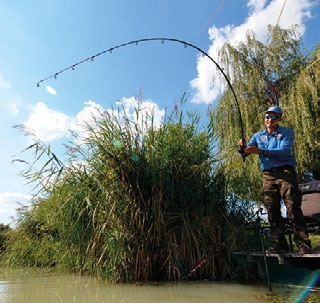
point(304, 101)
point(263, 74)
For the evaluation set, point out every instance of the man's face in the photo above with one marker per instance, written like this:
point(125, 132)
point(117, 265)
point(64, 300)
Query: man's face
point(271, 119)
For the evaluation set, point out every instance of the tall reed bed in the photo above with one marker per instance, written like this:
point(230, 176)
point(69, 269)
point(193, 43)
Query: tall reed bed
point(135, 202)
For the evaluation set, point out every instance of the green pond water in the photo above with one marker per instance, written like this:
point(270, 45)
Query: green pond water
point(39, 286)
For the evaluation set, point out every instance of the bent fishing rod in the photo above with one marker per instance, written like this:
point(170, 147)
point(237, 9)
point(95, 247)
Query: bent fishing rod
point(136, 42)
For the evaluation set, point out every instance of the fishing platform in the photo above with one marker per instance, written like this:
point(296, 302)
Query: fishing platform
point(288, 266)
point(295, 258)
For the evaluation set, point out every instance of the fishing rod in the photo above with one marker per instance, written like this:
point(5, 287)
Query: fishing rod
point(136, 42)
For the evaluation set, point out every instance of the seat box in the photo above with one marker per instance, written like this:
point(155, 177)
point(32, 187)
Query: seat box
point(310, 198)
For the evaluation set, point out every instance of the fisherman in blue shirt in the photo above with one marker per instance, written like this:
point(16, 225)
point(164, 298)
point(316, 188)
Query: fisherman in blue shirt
point(274, 147)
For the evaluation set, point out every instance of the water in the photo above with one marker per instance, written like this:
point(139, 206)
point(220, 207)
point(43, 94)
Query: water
point(29, 286)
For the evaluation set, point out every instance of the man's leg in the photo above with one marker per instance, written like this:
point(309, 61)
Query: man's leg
point(292, 199)
point(272, 199)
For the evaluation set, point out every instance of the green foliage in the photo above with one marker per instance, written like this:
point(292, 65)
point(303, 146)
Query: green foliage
point(264, 75)
point(4, 230)
point(135, 202)
point(302, 104)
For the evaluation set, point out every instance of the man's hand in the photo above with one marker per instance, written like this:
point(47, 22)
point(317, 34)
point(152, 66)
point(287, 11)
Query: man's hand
point(251, 149)
point(247, 150)
point(242, 142)
point(242, 147)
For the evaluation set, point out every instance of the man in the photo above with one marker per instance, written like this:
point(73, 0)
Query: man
point(274, 147)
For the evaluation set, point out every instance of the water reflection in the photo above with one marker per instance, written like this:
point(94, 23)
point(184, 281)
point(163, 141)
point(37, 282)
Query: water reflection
point(30, 286)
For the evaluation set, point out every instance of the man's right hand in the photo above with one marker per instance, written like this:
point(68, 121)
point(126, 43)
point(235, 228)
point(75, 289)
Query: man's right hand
point(242, 142)
point(242, 147)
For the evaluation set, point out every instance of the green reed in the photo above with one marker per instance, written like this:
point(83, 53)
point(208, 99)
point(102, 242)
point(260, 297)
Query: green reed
point(134, 202)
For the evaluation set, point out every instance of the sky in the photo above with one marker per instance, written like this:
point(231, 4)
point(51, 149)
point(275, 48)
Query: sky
point(41, 38)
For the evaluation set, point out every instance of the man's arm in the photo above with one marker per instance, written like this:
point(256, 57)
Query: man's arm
point(284, 147)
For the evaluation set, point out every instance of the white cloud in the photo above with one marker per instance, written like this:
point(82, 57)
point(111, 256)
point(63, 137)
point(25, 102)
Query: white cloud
point(51, 90)
point(9, 202)
point(146, 109)
point(87, 115)
point(126, 108)
point(48, 124)
point(4, 83)
point(89, 112)
point(14, 109)
point(9, 106)
point(207, 84)
point(256, 4)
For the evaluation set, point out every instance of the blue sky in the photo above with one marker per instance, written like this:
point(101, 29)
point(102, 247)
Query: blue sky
point(39, 38)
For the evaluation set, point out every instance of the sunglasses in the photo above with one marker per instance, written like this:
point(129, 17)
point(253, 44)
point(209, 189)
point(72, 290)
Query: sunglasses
point(272, 117)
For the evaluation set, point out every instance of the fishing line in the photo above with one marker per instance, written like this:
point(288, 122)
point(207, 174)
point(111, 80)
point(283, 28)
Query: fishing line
point(136, 42)
point(212, 17)
point(284, 3)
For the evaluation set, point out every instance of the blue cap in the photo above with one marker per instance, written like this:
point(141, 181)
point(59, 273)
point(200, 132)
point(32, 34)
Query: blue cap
point(275, 109)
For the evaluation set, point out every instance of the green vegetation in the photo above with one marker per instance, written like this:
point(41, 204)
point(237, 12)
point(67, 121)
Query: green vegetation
point(4, 229)
point(135, 202)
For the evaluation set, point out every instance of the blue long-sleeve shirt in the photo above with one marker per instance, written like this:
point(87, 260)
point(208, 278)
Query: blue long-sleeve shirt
point(276, 149)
